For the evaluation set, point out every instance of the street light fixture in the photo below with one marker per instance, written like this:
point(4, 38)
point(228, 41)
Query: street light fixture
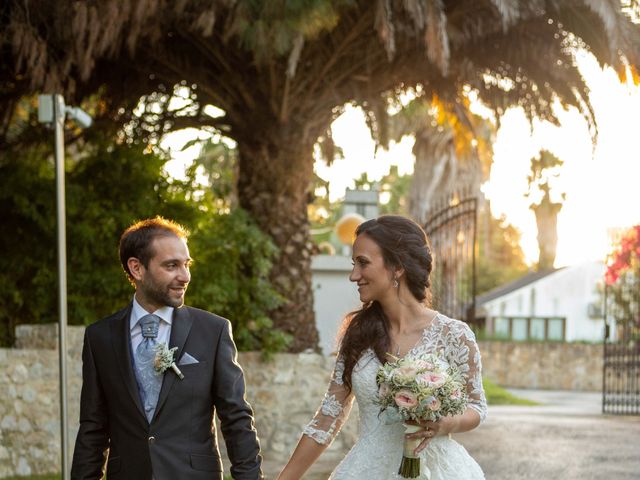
point(52, 110)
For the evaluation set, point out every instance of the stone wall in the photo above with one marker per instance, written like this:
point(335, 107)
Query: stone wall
point(547, 366)
point(284, 393)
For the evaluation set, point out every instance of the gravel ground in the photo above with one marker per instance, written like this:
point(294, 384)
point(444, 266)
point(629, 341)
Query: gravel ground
point(567, 438)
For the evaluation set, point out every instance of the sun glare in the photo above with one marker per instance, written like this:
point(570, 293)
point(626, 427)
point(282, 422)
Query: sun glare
point(600, 184)
point(350, 132)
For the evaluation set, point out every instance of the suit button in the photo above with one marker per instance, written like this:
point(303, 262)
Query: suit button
point(152, 440)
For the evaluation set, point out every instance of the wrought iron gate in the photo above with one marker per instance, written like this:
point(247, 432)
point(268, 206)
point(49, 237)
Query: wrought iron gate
point(621, 376)
point(451, 227)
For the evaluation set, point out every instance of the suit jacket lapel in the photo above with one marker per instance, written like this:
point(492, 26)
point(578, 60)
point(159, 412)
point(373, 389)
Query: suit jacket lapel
point(180, 328)
point(121, 340)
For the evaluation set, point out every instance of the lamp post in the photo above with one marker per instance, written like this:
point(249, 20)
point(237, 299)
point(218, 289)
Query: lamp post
point(52, 110)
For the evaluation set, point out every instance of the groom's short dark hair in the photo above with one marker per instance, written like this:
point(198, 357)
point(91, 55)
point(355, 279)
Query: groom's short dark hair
point(137, 239)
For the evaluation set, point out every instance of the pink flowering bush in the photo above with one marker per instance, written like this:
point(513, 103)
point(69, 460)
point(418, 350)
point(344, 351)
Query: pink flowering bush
point(625, 257)
point(622, 279)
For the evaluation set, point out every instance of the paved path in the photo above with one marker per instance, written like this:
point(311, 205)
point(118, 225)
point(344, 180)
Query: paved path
point(566, 438)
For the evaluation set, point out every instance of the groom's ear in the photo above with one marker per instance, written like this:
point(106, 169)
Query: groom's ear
point(135, 268)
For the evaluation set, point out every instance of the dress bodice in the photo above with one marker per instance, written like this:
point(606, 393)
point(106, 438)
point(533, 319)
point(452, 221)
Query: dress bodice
point(451, 339)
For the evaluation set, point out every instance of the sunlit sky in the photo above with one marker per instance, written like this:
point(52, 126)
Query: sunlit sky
point(602, 184)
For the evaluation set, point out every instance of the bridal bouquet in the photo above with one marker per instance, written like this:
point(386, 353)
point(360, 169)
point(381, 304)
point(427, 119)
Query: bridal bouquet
point(423, 388)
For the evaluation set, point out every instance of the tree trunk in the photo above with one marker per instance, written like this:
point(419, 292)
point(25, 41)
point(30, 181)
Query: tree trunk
point(438, 172)
point(274, 187)
point(547, 222)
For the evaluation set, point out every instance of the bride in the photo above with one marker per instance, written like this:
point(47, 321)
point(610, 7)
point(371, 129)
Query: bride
point(391, 266)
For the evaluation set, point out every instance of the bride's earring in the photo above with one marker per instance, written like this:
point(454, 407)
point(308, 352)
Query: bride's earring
point(395, 283)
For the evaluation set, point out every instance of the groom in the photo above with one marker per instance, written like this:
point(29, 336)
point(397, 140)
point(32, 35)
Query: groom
point(159, 424)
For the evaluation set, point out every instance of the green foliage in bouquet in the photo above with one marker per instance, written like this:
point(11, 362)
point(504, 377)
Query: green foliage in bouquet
point(425, 388)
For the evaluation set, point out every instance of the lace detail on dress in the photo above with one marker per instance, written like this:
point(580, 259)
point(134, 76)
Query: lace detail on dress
point(331, 406)
point(338, 372)
point(455, 341)
point(319, 436)
point(333, 410)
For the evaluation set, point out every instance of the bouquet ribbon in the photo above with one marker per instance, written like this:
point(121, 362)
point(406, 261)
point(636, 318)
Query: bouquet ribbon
point(411, 465)
point(411, 444)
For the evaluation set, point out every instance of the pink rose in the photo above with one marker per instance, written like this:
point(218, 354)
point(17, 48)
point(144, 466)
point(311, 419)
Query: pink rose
point(438, 379)
point(435, 380)
point(406, 399)
point(404, 374)
point(455, 395)
point(434, 405)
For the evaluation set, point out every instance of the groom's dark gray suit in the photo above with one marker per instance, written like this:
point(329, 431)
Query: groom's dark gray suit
point(179, 442)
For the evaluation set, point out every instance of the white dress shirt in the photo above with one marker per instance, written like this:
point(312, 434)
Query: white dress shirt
point(164, 330)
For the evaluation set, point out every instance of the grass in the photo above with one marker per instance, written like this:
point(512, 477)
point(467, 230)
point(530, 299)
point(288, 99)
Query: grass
point(497, 395)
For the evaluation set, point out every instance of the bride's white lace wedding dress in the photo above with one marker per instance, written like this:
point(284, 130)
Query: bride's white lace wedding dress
point(377, 453)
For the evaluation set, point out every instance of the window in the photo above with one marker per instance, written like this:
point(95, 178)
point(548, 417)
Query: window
point(519, 329)
point(530, 328)
point(501, 327)
point(537, 329)
point(556, 329)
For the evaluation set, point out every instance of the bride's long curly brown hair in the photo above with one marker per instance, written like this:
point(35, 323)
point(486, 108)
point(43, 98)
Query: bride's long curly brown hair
point(405, 246)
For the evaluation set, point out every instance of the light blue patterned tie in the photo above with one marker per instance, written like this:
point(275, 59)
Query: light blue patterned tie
point(149, 381)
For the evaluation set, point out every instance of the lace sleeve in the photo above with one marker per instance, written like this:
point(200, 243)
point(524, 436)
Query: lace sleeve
point(462, 351)
point(333, 410)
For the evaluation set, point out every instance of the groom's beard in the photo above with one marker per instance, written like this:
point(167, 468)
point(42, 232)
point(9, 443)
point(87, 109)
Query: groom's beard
point(168, 295)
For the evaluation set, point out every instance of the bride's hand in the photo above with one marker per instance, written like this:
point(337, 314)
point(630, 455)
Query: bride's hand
point(444, 426)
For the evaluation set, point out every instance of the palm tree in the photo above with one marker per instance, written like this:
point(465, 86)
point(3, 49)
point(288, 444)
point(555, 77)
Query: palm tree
point(282, 70)
point(546, 209)
point(452, 149)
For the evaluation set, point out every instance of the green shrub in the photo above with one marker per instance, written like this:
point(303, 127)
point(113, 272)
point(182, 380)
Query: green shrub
point(230, 276)
point(109, 186)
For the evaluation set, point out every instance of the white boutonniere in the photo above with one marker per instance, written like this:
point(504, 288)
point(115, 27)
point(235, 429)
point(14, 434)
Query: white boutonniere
point(164, 360)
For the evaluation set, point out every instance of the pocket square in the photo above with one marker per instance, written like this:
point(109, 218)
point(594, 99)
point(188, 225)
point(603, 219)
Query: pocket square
point(187, 359)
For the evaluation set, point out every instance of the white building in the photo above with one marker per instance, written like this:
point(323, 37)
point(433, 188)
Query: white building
point(333, 296)
point(556, 305)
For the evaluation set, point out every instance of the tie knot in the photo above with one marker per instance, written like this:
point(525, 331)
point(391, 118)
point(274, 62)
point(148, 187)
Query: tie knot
point(150, 324)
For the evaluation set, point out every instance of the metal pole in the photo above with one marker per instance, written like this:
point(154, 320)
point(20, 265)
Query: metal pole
point(58, 121)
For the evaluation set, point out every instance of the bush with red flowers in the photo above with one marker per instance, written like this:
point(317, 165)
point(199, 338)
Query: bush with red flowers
point(622, 280)
point(626, 257)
